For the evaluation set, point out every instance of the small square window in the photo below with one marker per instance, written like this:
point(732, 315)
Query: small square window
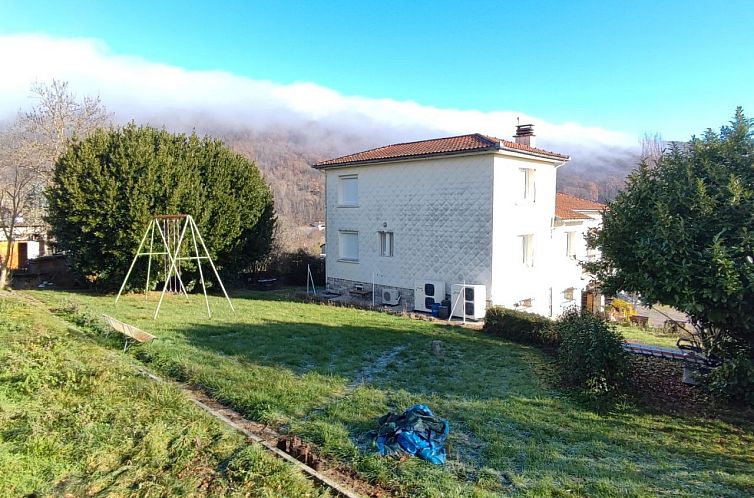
point(568, 294)
point(386, 244)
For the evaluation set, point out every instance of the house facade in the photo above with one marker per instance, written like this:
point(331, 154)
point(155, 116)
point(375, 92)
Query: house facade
point(470, 210)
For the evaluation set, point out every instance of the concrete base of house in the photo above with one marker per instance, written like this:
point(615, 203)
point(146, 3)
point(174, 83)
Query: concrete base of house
point(343, 287)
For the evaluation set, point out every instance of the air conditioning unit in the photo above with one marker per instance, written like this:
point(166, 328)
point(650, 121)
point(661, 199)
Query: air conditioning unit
point(391, 297)
point(427, 293)
point(468, 301)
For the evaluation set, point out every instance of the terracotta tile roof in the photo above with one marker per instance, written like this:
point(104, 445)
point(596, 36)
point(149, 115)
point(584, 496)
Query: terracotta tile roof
point(567, 207)
point(437, 146)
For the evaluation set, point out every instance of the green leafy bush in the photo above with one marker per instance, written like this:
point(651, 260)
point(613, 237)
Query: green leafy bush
point(106, 188)
point(519, 326)
point(591, 354)
point(681, 233)
point(734, 379)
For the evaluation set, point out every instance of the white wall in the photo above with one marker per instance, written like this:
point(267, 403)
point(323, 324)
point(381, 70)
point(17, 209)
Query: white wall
point(513, 281)
point(459, 218)
point(440, 211)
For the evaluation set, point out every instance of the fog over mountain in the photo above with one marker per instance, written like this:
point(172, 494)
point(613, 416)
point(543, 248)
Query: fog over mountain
point(287, 127)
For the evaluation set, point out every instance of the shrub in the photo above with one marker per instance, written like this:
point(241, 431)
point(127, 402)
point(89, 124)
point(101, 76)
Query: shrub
point(519, 326)
point(291, 267)
point(734, 379)
point(591, 354)
point(107, 187)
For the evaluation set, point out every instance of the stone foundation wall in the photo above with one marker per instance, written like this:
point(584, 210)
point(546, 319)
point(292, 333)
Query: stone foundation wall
point(342, 286)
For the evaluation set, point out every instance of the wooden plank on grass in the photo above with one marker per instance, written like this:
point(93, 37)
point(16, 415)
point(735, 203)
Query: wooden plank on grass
point(128, 330)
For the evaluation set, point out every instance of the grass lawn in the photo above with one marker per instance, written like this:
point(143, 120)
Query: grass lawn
point(654, 337)
point(327, 373)
point(75, 420)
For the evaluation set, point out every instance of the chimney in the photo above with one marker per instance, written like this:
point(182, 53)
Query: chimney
point(525, 135)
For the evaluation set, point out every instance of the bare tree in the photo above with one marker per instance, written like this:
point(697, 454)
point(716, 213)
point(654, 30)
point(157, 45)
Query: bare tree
point(652, 148)
point(20, 175)
point(29, 148)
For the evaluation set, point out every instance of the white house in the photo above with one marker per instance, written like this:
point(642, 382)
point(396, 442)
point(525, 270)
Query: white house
point(419, 218)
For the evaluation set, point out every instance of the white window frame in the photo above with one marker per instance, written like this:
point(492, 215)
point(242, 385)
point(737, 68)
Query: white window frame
point(527, 250)
point(344, 200)
point(387, 244)
point(571, 244)
point(342, 235)
point(529, 193)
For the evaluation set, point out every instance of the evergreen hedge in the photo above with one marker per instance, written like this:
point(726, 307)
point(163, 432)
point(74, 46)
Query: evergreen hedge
point(519, 326)
point(106, 188)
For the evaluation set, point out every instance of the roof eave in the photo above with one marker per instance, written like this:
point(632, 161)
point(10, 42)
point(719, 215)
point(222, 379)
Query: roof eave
point(492, 148)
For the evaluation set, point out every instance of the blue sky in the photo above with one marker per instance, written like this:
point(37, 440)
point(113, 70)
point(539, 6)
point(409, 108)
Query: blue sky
point(671, 67)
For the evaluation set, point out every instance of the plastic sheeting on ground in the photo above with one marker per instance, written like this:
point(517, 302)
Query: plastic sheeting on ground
point(416, 432)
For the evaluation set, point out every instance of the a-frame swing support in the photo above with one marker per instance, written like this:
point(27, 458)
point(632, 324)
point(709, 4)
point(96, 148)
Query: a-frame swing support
point(172, 253)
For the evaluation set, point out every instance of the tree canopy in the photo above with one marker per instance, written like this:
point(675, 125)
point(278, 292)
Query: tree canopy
point(107, 187)
point(682, 233)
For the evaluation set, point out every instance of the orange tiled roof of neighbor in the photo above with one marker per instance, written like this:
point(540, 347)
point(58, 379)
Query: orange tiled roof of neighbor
point(567, 207)
point(437, 146)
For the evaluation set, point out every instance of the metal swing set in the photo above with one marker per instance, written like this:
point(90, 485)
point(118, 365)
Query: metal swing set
point(171, 231)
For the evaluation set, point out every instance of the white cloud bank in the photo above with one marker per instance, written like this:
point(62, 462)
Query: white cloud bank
point(138, 89)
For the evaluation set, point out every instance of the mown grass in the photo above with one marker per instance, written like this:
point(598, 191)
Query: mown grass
point(653, 337)
point(312, 370)
point(77, 420)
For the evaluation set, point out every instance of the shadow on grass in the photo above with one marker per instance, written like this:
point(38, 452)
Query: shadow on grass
point(469, 364)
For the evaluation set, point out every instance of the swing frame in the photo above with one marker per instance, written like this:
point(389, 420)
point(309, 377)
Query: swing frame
point(168, 227)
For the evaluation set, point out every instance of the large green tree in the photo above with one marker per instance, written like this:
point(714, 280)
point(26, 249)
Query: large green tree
point(682, 233)
point(107, 187)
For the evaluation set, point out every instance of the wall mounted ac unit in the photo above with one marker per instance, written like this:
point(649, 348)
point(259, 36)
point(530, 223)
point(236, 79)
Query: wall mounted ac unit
point(472, 302)
point(427, 293)
point(391, 297)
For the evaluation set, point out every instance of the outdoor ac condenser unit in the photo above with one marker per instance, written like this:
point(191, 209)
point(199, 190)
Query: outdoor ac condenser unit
point(427, 293)
point(391, 297)
point(468, 301)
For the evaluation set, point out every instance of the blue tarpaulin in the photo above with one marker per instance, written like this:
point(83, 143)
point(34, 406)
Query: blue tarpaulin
point(416, 432)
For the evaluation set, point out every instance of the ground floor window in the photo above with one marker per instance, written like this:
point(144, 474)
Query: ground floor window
point(349, 245)
point(568, 294)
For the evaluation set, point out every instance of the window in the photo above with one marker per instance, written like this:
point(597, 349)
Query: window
point(386, 244)
point(527, 250)
point(568, 294)
point(530, 191)
point(571, 244)
point(349, 245)
point(348, 190)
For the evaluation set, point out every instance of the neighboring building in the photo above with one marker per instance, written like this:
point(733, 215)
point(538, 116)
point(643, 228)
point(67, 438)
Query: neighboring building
point(28, 245)
point(471, 209)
